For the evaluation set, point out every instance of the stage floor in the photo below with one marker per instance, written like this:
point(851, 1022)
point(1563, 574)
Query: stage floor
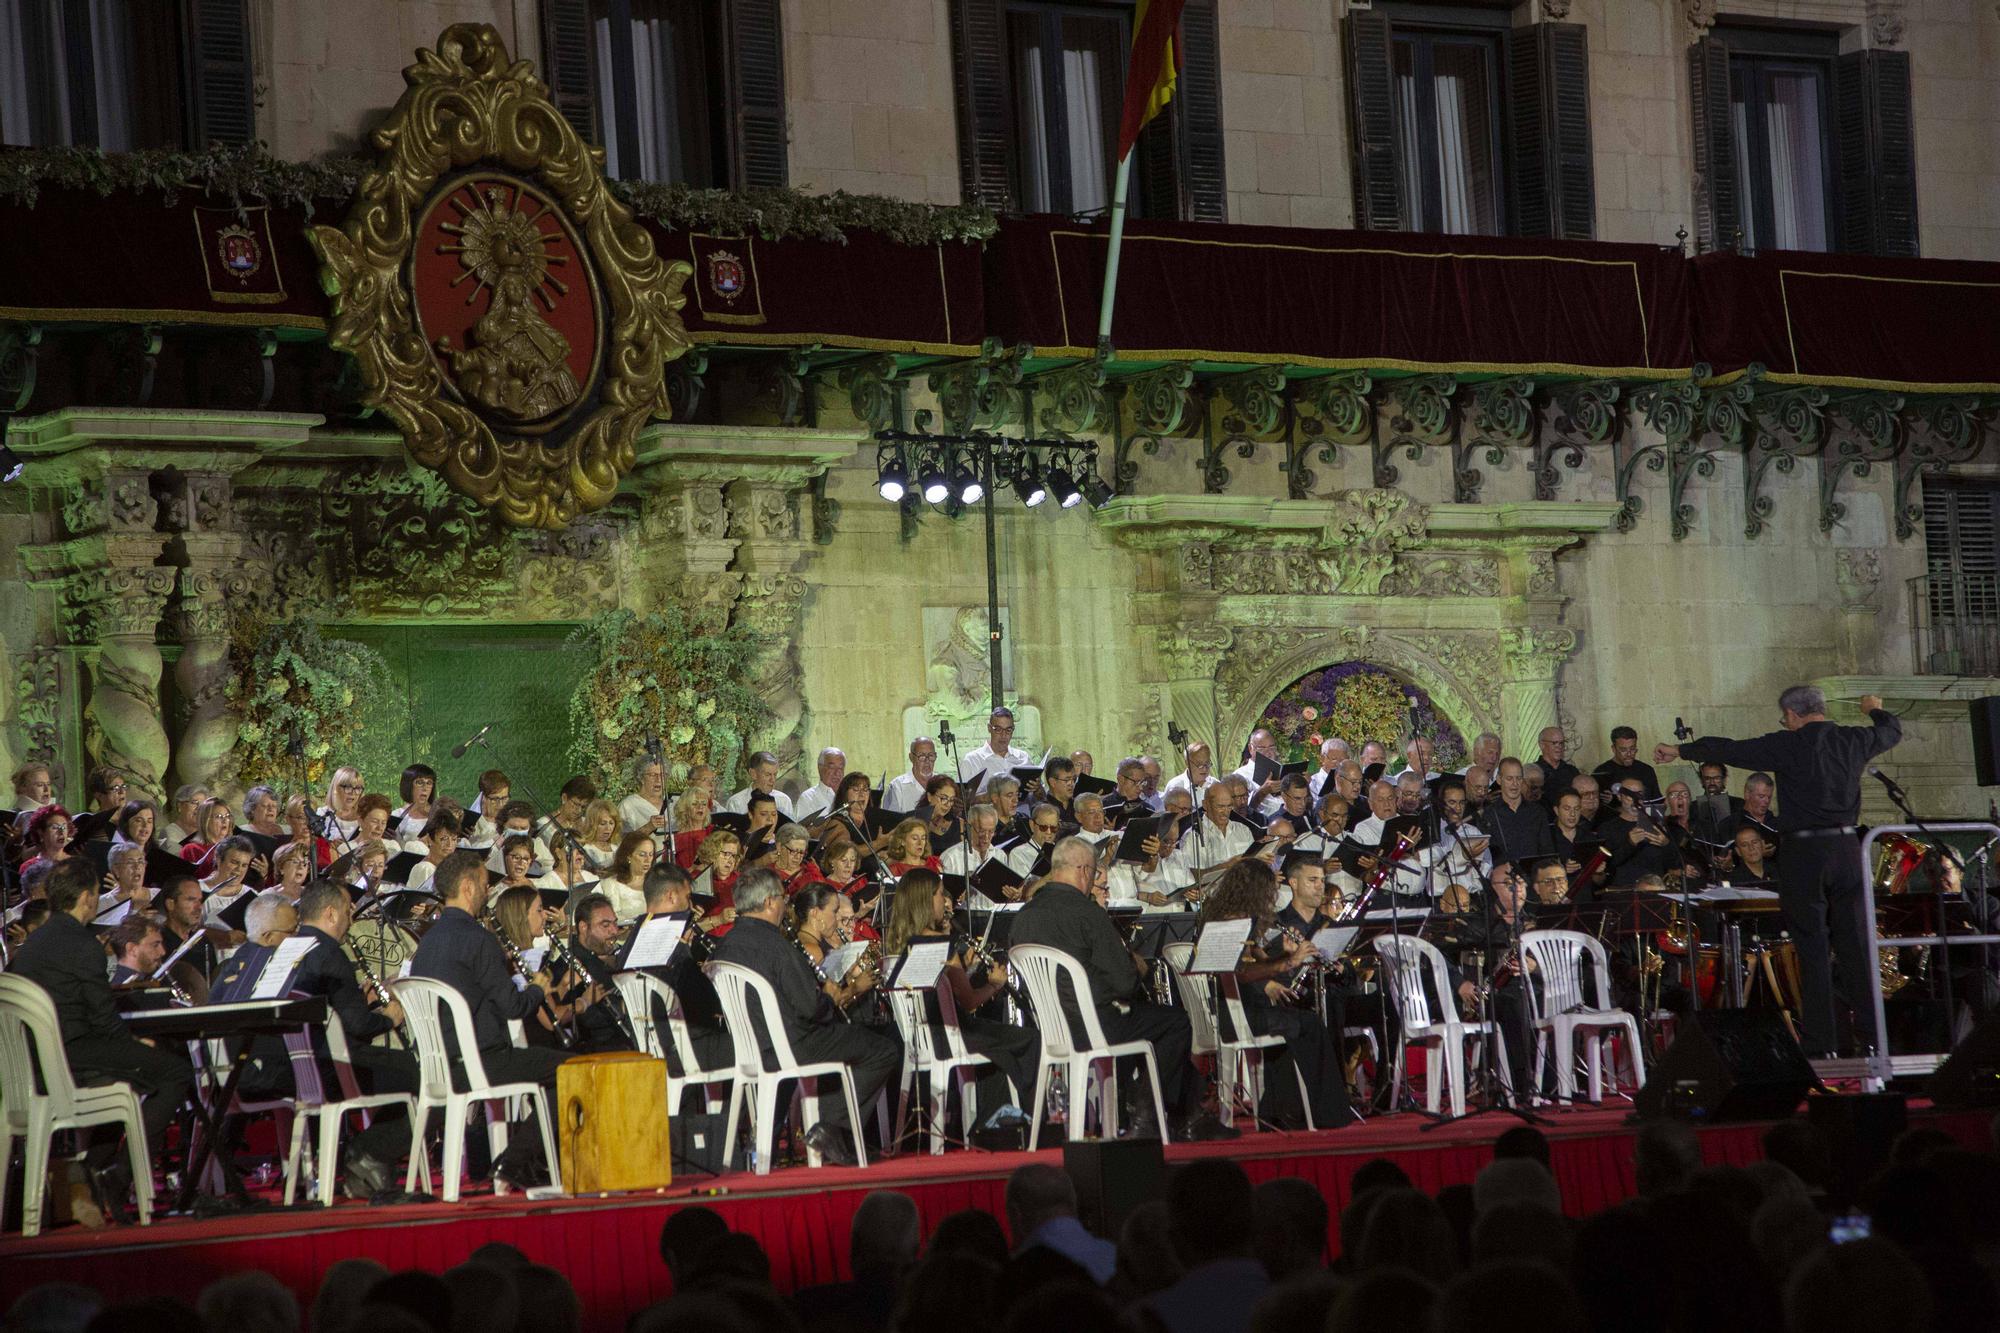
point(608, 1245)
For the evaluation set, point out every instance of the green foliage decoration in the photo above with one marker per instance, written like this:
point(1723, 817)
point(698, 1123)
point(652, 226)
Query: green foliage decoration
point(248, 173)
point(662, 674)
point(302, 697)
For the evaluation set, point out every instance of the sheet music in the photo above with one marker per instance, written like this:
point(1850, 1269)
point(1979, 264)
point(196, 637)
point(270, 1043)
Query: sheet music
point(1725, 893)
point(278, 968)
point(531, 959)
point(1334, 941)
point(923, 963)
point(656, 940)
point(1220, 946)
point(177, 954)
point(837, 964)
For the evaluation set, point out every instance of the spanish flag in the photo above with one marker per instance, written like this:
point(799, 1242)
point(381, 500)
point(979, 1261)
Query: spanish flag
point(1155, 64)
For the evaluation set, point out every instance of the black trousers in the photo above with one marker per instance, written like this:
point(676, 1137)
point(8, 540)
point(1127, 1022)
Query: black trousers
point(1172, 1040)
point(870, 1057)
point(518, 1064)
point(1012, 1050)
point(1825, 902)
point(377, 1069)
point(1317, 1056)
point(162, 1077)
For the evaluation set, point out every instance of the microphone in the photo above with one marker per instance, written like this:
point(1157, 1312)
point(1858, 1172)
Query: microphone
point(1886, 781)
point(458, 751)
point(1176, 735)
point(1682, 732)
point(654, 752)
point(944, 734)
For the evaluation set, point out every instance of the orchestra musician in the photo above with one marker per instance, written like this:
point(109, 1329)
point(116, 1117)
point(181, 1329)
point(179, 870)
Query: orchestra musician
point(65, 959)
point(1820, 886)
point(669, 891)
point(1064, 915)
point(923, 908)
point(1248, 889)
point(815, 1033)
point(593, 951)
point(462, 954)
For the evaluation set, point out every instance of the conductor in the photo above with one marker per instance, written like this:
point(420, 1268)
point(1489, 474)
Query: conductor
point(1818, 766)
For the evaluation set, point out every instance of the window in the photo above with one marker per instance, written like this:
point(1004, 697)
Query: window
point(1464, 125)
point(1067, 65)
point(1040, 87)
point(1798, 147)
point(1447, 131)
point(124, 74)
point(689, 91)
point(1957, 603)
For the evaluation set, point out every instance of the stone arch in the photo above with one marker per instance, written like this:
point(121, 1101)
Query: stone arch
point(1421, 660)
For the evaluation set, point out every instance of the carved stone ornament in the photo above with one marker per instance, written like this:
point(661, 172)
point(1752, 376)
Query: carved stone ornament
point(1192, 652)
point(503, 308)
point(1700, 15)
point(1555, 10)
point(1859, 573)
point(1885, 22)
point(1442, 576)
point(1367, 527)
point(37, 703)
point(1534, 653)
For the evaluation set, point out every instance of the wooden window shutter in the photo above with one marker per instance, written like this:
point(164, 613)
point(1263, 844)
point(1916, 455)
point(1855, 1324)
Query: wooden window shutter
point(1371, 90)
point(985, 111)
point(1718, 176)
point(1551, 181)
point(757, 94)
point(221, 106)
point(566, 63)
point(1198, 115)
point(1876, 149)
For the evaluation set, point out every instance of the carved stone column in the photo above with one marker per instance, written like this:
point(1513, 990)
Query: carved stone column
point(1189, 657)
point(1530, 656)
point(200, 506)
point(115, 616)
point(764, 517)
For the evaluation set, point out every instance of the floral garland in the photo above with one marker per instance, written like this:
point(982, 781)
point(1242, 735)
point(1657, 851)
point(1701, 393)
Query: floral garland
point(659, 676)
point(247, 173)
point(1356, 702)
point(297, 693)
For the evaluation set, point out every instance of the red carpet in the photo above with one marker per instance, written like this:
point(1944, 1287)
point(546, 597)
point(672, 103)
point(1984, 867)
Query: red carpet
point(608, 1246)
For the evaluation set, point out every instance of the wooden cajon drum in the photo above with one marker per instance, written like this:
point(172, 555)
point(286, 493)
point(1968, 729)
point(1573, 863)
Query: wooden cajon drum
point(612, 1109)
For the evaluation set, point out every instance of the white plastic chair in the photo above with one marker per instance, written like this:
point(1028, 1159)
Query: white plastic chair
point(1040, 967)
point(739, 987)
point(427, 1006)
point(941, 1070)
point(1410, 960)
point(31, 1053)
point(644, 996)
point(1561, 1015)
point(1239, 1060)
point(312, 1100)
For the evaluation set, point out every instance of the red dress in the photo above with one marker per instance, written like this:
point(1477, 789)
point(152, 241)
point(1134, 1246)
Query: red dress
point(687, 843)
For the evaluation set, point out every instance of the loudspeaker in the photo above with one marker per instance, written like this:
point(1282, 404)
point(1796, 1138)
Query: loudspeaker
point(1112, 1178)
point(1728, 1064)
point(1970, 1077)
point(1986, 740)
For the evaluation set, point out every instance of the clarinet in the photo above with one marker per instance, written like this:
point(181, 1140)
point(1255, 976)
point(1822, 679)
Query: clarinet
point(521, 970)
point(381, 997)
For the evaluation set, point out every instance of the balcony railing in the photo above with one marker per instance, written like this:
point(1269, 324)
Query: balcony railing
point(1956, 620)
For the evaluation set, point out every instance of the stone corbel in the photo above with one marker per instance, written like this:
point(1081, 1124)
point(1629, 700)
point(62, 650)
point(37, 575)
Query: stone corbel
point(1190, 657)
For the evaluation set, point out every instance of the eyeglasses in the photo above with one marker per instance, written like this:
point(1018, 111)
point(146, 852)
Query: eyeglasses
point(1046, 828)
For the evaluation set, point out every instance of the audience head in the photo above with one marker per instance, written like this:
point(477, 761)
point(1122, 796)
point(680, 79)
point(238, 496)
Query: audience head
point(248, 1302)
point(1211, 1211)
point(886, 1234)
point(969, 1231)
point(1291, 1226)
point(1516, 1180)
point(1406, 1228)
point(1383, 1298)
point(1036, 1194)
point(1522, 1141)
point(483, 1297)
point(1146, 1260)
point(1508, 1296)
point(1665, 1156)
point(343, 1288)
point(1866, 1284)
point(53, 1307)
point(548, 1303)
point(685, 1234)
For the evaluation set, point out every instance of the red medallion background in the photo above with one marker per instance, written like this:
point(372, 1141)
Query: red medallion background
point(441, 308)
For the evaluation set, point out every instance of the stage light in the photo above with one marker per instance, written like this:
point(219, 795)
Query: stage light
point(966, 482)
point(932, 482)
point(1063, 487)
point(892, 476)
point(1029, 486)
point(1095, 491)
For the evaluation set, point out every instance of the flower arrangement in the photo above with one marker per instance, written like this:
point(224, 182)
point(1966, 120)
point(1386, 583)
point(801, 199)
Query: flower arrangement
point(1356, 702)
point(659, 675)
point(301, 697)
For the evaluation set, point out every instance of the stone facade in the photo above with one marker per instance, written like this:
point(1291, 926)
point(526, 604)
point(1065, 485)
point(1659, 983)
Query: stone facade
point(870, 97)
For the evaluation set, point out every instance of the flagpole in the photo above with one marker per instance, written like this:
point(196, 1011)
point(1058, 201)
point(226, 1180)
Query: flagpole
point(1118, 193)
